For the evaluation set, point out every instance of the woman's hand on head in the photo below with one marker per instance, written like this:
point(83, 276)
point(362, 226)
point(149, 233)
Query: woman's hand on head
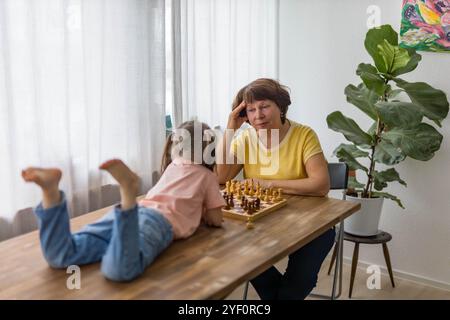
point(235, 121)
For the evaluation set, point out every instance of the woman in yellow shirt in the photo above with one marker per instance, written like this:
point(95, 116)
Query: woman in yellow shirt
point(280, 153)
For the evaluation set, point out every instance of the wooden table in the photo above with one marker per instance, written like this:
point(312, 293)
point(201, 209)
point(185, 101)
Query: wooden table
point(208, 265)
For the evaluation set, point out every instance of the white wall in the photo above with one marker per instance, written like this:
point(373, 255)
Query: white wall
point(321, 44)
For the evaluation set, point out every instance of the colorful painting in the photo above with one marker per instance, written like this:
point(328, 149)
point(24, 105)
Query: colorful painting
point(426, 25)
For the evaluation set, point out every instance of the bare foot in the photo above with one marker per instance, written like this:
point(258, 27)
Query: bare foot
point(48, 180)
point(127, 179)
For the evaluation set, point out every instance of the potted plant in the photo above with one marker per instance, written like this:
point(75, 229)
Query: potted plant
point(401, 126)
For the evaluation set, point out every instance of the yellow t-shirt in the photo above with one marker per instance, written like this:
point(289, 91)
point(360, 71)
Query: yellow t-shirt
point(285, 161)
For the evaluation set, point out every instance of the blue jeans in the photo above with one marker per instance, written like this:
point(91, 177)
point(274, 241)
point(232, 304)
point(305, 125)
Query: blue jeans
point(126, 242)
point(300, 277)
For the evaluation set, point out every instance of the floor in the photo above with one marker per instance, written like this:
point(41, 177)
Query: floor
point(405, 289)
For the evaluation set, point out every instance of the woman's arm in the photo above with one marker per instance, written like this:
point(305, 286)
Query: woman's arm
point(317, 183)
point(226, 169)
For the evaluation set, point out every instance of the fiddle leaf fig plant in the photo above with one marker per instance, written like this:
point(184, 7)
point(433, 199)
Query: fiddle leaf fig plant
point(400, 128)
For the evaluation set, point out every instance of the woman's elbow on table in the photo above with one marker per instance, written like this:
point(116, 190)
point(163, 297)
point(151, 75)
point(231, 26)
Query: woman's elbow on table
point(324, 188)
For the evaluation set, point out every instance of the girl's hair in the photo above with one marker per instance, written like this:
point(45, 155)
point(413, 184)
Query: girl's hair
point(262, 89)
point(170, 144)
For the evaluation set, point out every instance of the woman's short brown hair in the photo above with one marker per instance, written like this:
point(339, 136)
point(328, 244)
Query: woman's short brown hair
point(262, 89)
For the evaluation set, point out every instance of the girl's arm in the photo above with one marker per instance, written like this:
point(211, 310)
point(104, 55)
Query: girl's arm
point(213, 217)
point(317, 183)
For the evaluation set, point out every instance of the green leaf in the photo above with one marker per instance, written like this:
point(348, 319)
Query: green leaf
point(373, 129)
point(412, 64)
point(394, 57)
point(363, 98)
point(349, 128)
point(371, 78)
point(354, 184)
point(375, 37)
point(391, 94)
point(433, 102)
point(344, 153)
point(382, 178)
point(388, 196)
point(399, 114)
point(387, 154)
point(352, 149)
point(419, 143)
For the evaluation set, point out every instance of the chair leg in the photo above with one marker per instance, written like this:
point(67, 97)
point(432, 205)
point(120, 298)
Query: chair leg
point(338, 268)
point(338, 256)
point(245, 291)
point(333, 257)
point(388, 263)
point(354, 264)
point(341, 258)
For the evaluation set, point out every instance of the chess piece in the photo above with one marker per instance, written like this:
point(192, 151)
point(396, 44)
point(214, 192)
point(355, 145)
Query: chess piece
point(232, 187)
point(280, 193)
point(227, 185)
point(250, 224)
point(266, 197)
point(242, 201)
point(258, 204)
point(275, 196)
point(227, 203)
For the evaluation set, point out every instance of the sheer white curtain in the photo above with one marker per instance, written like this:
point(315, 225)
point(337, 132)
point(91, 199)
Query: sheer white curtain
point(219, 46)
point(81, 81)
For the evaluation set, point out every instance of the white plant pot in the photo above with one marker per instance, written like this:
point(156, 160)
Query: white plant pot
point(365, 221)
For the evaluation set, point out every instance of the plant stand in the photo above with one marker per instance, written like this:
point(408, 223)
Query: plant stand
point(382, 237)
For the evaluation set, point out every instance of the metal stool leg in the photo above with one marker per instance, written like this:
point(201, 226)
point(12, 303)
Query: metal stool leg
point(388, 263)
point(354, 265)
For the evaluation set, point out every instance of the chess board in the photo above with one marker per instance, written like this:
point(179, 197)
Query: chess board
point(266, 207)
